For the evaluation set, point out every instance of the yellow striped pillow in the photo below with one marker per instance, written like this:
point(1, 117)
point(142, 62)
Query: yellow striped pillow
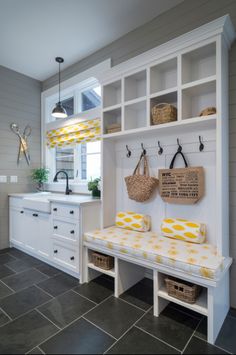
point(182, 229)
point(133, 221)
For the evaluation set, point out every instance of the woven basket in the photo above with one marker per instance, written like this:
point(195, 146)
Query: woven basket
point(183, 290)
point(102, 261)
point(208, 111)
point(164, 113)
point(113, 128)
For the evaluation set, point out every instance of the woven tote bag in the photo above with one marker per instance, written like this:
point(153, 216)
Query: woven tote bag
point(141, 186)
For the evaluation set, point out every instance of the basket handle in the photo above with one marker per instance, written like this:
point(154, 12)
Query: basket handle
point(162, 104)
point(145, 168)
point(175, 156)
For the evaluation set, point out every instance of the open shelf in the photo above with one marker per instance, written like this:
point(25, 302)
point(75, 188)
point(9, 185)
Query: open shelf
point(112, 94)
point(199, 64)
point(136, 115)
point(136, 85)
point(163, 76)
point(200, 306)
point(106, 272)
point(111, 117)
point(196, 98)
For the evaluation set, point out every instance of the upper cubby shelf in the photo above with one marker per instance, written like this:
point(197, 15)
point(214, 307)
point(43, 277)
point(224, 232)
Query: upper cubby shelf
point(163, 76)
point(112, 94)
point(199, 63)
point(136, 85)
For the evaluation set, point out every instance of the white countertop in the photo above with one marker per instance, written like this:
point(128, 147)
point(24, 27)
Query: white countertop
point(59, 198)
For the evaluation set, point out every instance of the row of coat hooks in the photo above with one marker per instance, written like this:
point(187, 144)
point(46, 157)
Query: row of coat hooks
point(161, 150)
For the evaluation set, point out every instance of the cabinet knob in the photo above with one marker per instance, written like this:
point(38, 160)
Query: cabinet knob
point(21, 212)
point(55, 227)
point(71, 212)
point(72, 232)
point(35, 215)
point(72, 258)
point(55, 209)
point(55, 251)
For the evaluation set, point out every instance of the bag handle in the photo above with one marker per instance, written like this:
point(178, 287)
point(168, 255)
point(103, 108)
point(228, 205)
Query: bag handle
point(175, 156)
point(143, 158)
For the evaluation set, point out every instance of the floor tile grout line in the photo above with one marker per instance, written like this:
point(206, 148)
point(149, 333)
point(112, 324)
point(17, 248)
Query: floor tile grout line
point(7, 315)
point(161, 340)
point(11, 289)
point(43, 315)
point(47, 293)
point(68, 325)
point(8, 267)
point(104, 331)
point(48, 277)
point(123, 335)
point(86, 298)
point(191, 336)
point(131, 304)
point(28, 352)
point(228, 352)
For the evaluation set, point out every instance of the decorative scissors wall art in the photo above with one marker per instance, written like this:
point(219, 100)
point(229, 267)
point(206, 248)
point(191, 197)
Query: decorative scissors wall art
point(24, 146)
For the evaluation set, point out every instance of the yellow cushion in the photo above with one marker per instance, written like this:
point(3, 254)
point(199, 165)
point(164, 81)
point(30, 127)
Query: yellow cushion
point(133, 221)
point(201, 260)
point(182, 229)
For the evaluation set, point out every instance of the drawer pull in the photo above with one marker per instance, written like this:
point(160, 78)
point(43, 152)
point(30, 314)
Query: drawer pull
point(21, 212)
point(55, 251)
point(35, 215)
point(55, 227)
point(55, 209)
point(71, 212)
point(72, 258)
point(72, 232)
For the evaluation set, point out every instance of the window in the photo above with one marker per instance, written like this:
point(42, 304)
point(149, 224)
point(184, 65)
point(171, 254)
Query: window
point(65, 161)
point(91, 98)
point(90, 160)
point(68, 104)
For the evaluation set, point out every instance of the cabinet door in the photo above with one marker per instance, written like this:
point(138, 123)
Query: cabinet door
point(17, 227)
point(31, 230)
point(43, 244)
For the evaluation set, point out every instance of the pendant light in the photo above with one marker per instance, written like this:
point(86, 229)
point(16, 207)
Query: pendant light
point(59, 111)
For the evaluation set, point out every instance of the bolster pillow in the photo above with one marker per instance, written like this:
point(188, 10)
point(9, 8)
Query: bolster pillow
point(183, 229)
point(133, 221)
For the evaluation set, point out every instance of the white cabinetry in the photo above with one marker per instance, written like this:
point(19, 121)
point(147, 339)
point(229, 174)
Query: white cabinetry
point(56, 237)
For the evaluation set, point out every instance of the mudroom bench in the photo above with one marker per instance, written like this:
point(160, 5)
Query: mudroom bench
point(136, 253)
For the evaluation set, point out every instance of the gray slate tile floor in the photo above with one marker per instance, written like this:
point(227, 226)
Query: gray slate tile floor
point(45, 311)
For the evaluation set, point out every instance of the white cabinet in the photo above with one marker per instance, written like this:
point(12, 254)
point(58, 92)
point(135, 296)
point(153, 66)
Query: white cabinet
point(17, 227)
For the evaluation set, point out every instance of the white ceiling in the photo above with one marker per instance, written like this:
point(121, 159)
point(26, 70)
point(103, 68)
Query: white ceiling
point(34, 32)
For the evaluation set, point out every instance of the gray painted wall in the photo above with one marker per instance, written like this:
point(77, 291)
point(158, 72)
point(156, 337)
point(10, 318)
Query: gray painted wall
point(183, 18)
point(19, 103)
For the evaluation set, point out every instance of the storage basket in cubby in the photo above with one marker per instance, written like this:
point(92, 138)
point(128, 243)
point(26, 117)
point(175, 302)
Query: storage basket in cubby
point(182, 290)
point(163, 113)
point(103, 261)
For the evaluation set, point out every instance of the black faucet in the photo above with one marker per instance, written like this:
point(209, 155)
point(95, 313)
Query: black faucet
point(68, 191)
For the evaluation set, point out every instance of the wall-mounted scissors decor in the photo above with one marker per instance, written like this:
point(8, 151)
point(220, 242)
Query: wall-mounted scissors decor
point(23, 147)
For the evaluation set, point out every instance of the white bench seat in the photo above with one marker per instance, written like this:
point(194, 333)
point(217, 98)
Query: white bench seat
point(201, 260)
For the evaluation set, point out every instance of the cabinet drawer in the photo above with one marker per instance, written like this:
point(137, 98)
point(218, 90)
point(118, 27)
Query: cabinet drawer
point(65, 255)
point(67, 211)
point(16, 202)
point(65, 229)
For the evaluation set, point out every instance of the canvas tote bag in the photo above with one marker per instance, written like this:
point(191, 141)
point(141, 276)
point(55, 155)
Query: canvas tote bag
point(141, 186)
point(183, 186)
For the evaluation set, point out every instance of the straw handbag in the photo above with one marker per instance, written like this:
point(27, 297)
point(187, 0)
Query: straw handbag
point(141, 186)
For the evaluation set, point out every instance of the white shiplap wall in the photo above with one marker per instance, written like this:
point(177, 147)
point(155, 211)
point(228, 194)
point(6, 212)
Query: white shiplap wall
point(183, 18)
point(19, 103)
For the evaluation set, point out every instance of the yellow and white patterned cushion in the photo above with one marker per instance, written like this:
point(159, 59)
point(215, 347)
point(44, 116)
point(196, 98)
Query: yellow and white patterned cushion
point(195, 259)
point(133, 221)
point(182, 229)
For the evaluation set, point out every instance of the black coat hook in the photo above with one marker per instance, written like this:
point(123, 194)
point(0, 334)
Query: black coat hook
point(160, 151)
point(201, 146)
point(144, 150)
point(128, 152)
point(180, 148)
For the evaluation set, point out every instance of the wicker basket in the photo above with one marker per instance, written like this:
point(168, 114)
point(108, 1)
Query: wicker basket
point(183, 290)
point(102, 261)
point(163, 113)
point(113, 128)
point(208, 111)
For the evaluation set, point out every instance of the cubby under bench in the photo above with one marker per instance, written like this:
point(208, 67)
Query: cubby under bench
point(134, 253)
